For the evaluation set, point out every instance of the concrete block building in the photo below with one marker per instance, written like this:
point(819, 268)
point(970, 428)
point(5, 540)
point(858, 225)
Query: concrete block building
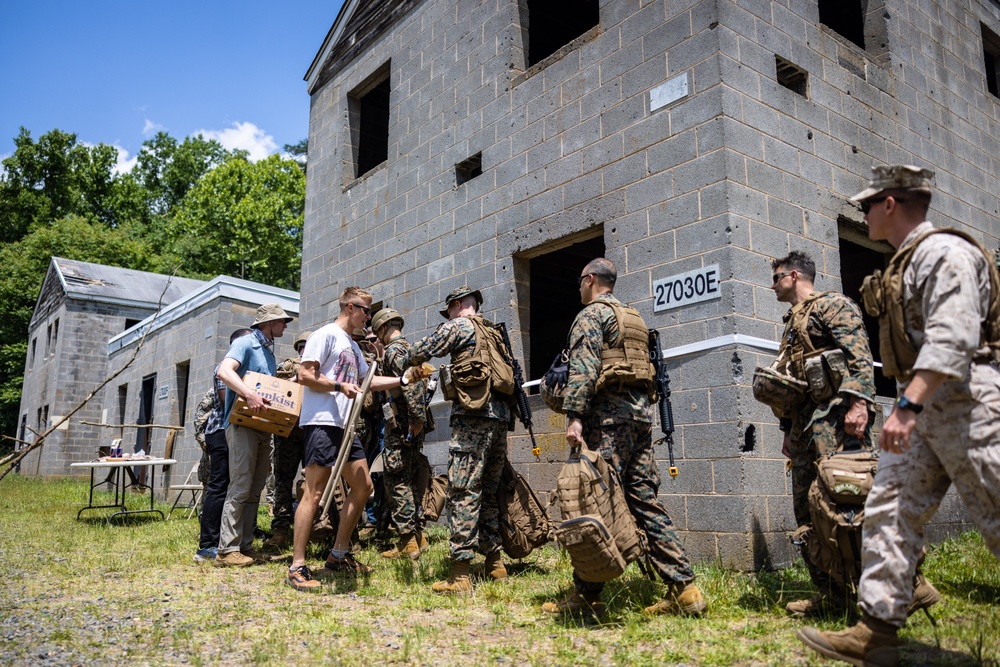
point(89, 324)
point(503, 143)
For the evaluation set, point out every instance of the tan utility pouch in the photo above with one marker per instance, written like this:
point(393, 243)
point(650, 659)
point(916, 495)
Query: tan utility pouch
point(471, 381)
point(824, 373)
point(390, 416)
point(447, 383)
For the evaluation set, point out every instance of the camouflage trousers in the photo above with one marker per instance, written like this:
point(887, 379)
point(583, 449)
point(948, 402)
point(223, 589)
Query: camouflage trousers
point(476, 455)
point(825, 435)
point(628, 448)
point(285, 462)
point(956, 441)
point(399, 480)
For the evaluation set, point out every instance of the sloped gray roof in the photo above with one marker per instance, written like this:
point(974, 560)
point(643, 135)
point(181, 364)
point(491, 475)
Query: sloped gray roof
point(84, 280)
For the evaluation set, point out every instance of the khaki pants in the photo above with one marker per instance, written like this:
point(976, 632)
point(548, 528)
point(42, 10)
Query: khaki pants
point(249, 465)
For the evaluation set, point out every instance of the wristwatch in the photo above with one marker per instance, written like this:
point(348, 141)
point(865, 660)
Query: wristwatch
point(903, 403)
point(402, 380)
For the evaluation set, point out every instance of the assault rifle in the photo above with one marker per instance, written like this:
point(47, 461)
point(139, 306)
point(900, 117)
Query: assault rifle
point(519, 395)
point(662, 383)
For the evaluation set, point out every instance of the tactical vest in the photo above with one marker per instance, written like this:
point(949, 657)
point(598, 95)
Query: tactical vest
point(798, 340)
point(882, 293)
point(627, 364)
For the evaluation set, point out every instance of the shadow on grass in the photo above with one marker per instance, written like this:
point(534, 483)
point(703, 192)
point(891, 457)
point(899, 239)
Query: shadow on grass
point(919, 653)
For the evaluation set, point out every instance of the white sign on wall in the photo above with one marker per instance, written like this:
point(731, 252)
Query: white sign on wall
point(164, 391)
point(686, 288)
point(668, 92)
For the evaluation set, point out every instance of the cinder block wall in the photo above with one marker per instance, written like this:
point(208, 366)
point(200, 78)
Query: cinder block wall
point(736, 172)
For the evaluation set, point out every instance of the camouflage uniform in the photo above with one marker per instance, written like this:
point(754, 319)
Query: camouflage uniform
point(619, 425)
point(369, 424)
point(476, 453)
point(400, 455)
point(946, 290)
point(817, 429)
point(286, 457)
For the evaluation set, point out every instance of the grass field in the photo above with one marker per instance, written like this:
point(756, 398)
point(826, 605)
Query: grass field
point(83, 592)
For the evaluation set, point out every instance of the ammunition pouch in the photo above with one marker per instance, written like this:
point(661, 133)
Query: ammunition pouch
point(447, 383)
point(824, 373)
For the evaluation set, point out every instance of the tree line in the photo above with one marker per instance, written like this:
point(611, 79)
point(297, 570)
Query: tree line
point(190, 208)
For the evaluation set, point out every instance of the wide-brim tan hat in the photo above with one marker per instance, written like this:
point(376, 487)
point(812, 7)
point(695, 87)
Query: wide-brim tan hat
point(270, 312)
point(458, 294)
point(896, 177)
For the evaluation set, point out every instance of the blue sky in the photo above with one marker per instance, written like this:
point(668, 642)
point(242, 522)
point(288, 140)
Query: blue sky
point(117, 71)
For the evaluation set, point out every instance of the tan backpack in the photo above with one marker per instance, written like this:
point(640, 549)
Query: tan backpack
point(524, 523)
point(832, 541)
point(598, 530)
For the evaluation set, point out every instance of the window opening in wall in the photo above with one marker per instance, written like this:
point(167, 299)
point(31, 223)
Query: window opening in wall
point(553, 293)
point(183, 373)
point(845, 17)
point(45, 417)
point(860, 257)
point(791, 76)
point(368, 110)
point(38, 421)
point(31, 362)
point(554, 23)
point(48, 340)
point(55, 335)
point(129, 323)
point(991, 57)
point(469, 168)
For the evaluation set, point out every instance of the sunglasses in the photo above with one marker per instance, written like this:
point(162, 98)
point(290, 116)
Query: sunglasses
point(778, 276)
point(867, 204)
point(368, 311)
point(584, 276)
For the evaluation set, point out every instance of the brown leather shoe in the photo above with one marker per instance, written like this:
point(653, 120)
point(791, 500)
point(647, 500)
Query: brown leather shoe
point(685, 599)
point(575, 603)
point(279, 540)
point(870, 643)
point(407, 548)
point(458, 583)
point(301, 579)
point(233, 559)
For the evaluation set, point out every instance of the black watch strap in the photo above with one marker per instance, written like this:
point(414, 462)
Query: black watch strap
point(903, 403)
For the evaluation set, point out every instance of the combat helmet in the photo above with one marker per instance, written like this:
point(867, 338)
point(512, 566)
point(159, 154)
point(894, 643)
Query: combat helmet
point(385, 316)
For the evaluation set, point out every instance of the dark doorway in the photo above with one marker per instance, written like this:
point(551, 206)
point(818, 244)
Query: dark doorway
point(845, 17)
point(144, 436)
point(554, 23)
point(554, 300)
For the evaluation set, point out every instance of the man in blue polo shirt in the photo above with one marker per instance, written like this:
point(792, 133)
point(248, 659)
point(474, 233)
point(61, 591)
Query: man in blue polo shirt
point(249, 450)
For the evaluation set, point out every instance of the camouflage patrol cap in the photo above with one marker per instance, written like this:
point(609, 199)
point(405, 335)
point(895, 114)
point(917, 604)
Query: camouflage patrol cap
point(270, 312)
point(458, 294)
point(896, 177)
point(301, 340)
point(385, 316)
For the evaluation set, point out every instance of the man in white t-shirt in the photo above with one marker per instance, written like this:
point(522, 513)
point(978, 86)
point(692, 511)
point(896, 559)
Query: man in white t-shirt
point(331, 371)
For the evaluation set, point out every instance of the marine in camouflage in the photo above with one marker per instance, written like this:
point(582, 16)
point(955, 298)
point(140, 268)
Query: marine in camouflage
point(476, 453)
point(286, 457)
point(817, 429)
point(400, 455)
point(618, 424)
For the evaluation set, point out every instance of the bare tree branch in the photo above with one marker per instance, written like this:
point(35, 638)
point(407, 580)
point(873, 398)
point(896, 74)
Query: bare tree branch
point(174, 428)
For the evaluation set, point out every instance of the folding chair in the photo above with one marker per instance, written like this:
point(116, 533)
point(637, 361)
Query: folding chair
point(192, 485)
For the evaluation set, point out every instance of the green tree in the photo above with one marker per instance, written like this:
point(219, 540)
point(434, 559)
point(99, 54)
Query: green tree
point(25, 263)
point(298, 152)
point(243, 219)
point(166, 170)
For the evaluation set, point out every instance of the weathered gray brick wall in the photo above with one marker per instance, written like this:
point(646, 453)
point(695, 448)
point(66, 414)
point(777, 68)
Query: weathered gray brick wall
point(738, 171)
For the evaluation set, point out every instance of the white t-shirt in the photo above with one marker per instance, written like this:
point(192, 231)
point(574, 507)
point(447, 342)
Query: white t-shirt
point(340, 360)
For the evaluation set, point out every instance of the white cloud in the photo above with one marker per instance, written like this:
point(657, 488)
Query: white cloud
point(151, 128)
point(244, 136)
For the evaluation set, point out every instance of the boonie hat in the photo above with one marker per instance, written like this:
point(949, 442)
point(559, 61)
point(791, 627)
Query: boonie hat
point(270, 312)
point(458, 294)
point(385, 316)
point(301, 340)
point(896, 177)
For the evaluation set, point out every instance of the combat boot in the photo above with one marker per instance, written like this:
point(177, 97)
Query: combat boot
point(495, 567)
point(279, 540)
point(422, 541)
point(458, 583)
point(685, 599)
point(820, 604)
point(407, 548)
point(870, 643)
point(924, 596)
point(575, 603)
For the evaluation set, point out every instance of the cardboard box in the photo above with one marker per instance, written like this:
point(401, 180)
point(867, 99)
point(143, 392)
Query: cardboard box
point(282, 413)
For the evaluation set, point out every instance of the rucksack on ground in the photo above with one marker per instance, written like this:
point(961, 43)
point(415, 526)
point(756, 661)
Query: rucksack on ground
point(832, 541)
point(598, 530)
point(524, 523)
